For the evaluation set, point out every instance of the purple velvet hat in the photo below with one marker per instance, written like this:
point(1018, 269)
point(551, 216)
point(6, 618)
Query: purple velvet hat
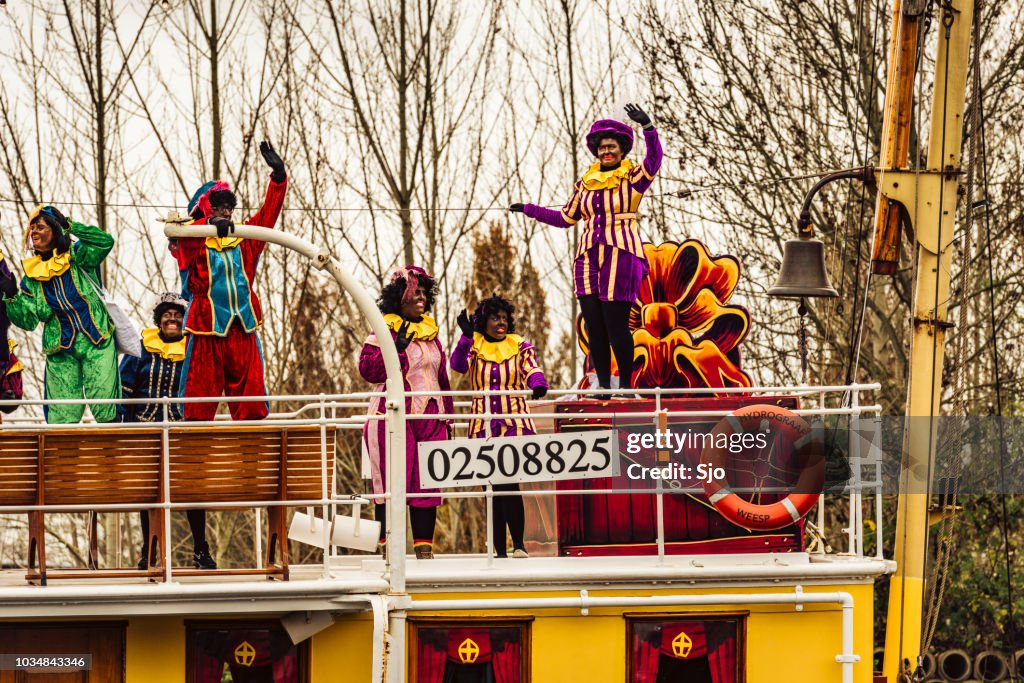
point(610, 128)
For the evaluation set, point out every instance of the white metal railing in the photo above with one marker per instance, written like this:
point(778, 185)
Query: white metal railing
point(349, 412)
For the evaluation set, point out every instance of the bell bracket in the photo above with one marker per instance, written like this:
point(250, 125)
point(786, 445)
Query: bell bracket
point(919, 193)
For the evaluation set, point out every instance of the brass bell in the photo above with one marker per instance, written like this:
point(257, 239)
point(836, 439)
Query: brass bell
point(803, 270)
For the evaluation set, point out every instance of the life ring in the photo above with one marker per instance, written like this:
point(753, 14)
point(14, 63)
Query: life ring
point(793, 507)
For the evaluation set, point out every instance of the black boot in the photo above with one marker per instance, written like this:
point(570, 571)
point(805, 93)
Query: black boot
point(144, 560)
point(201, 558)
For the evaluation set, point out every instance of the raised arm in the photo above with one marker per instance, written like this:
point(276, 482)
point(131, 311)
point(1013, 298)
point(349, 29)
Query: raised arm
point(93, 244)
point(273, 201)
point(642, 176)
point(460, 356)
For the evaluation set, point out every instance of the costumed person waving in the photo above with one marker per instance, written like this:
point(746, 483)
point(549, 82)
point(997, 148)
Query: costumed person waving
point(59, 290)
point(495, 358)
point(10, 367)
point(223, 355)
point(157, 374)
point(405, 302)
point(610, 263)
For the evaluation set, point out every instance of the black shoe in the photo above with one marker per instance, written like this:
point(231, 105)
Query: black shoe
point(201, 559)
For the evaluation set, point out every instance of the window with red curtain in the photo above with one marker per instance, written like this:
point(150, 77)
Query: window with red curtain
point(243, 652)
point(469, 652)
point(695, 650)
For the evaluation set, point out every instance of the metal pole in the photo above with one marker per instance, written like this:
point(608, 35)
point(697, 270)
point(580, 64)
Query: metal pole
point(932, 214)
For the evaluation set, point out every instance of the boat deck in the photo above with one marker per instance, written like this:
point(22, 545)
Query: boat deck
point(351, 580)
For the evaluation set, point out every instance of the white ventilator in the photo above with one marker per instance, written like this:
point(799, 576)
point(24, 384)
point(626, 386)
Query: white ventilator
point(348, 532)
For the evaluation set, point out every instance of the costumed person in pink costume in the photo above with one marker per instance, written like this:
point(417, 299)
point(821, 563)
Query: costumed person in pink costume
point(610, 263)
point(496, 358)
point(405, 302)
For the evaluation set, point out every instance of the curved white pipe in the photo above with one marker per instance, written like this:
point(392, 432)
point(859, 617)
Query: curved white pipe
point(395, 406)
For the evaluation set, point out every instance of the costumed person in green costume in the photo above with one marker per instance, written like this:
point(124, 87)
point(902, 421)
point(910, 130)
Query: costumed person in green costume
point(58, 291)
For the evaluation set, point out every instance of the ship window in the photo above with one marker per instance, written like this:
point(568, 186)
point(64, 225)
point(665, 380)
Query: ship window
point(700, 650)
point(243, 652)
point(469, 652)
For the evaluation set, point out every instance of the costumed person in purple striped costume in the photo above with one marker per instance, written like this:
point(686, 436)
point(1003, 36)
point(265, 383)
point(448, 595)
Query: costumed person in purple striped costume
point(405, 301)
point(610, 263)
point(495, 358)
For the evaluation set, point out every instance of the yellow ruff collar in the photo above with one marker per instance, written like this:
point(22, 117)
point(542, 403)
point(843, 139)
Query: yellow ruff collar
point(38, 269)
point(222, 243)
point(219, 243)
point(496, 352)
point(424, 330)
point(17, 367)
point(596, 179)
point(174, 351)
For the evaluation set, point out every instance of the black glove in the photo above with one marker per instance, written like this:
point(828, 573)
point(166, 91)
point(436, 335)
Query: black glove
point(401, 341)
point(273, 161)
point(8, 286)
point(7, 395)
point(224, 226)
point(516, 208)
point(464, 324)
point(539, 392)
point(639, 115)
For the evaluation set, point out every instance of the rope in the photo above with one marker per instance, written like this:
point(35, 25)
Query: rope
point(682, 193)
point(996, 365)
point(802, 312)
point(857, 341)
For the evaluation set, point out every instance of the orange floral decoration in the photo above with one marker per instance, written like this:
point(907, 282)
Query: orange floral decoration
point(684, 332)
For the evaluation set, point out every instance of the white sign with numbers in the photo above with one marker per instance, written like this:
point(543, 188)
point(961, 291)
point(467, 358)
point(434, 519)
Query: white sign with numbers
point(506, 460)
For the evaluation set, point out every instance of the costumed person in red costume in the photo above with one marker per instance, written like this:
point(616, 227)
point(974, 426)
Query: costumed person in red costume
point(496, 358)
point(610, 263)
point(224, 355)
point(405, 302)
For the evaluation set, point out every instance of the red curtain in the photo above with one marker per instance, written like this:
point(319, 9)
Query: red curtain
point(507, 663)
point(430, 663)
point(207, 669)
point(438, 646)
point(213, 648)
point(645, 660)
point(722, 660)
point(651, 640)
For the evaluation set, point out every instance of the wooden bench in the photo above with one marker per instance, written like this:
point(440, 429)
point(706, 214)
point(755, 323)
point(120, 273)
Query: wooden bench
point(124, 465)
